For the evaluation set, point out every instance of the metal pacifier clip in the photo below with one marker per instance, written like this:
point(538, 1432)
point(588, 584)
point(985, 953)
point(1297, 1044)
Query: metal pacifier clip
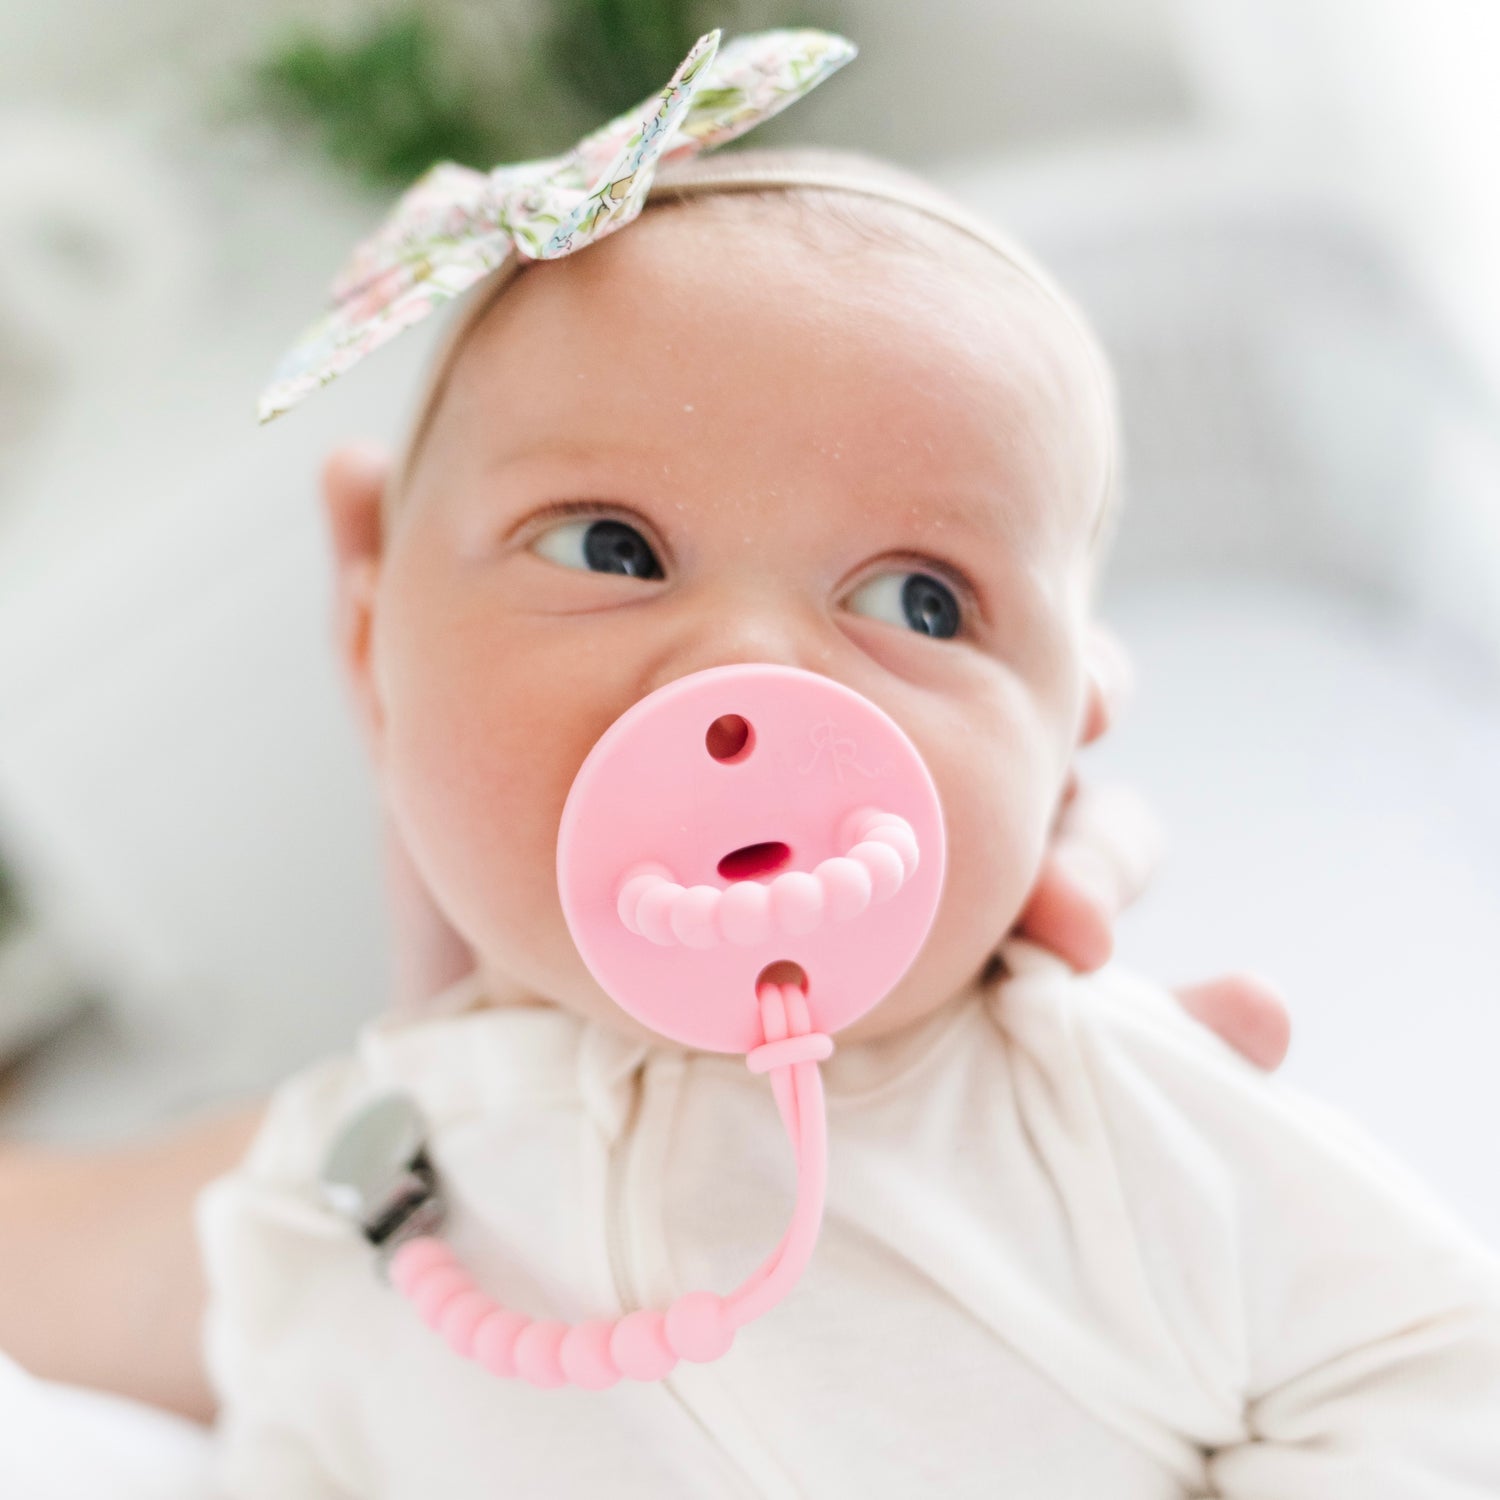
point(737, 819)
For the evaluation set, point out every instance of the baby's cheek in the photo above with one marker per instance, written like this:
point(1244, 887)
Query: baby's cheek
point(996, 827)
point(997, 786)
point(996, 838)
point(478, 788)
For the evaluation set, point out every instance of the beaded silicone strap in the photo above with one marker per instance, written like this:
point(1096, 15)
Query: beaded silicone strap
point(880, 857)
point(699, 1326)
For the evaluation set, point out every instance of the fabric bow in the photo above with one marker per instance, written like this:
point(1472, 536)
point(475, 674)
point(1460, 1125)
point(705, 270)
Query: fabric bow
point(455, 225)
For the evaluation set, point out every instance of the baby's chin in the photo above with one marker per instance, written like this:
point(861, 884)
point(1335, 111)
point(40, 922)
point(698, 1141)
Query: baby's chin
point(927, 987)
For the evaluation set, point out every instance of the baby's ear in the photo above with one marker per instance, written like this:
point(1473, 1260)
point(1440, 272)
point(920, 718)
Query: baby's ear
point(354, 480)
point(1109, 681)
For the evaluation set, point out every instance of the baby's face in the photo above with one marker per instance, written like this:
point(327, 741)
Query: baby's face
point(689, 446)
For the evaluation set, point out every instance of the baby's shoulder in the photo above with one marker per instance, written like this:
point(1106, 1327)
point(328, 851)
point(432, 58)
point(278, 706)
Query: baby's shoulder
point(457, 1062)
point(1109, 1065)
point(1116, 1058)
point(1111, 1021)
point(302, 1112)
point(1113, 1059)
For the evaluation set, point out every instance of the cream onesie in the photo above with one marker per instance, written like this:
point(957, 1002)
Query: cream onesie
point(1074, 1247)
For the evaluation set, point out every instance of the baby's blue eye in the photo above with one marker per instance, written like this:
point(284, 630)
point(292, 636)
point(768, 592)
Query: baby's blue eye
point(602, 546)
point(917, 600)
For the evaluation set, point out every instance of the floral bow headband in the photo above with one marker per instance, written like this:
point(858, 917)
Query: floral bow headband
point(455, 225)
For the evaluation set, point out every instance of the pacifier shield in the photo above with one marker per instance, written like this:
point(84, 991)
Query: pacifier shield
point(738, 777)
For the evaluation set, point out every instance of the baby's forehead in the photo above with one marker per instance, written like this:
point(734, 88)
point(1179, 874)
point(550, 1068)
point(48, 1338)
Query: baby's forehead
point(814, 244)
point(866, 247)
point(731, 287)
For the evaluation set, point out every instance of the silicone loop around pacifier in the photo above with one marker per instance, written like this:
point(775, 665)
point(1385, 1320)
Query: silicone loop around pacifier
point(881, 856)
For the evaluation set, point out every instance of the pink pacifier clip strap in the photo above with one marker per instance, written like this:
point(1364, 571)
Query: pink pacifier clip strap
point(699, 1326)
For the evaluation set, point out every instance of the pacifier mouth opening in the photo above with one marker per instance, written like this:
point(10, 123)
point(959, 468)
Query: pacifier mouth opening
point(783, 971)
point(752, 861)
point(730, 739)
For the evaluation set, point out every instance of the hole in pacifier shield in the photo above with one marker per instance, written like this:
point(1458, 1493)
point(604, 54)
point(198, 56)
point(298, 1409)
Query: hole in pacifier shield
point(730, 739)
point(800, 753)
point(783, 971)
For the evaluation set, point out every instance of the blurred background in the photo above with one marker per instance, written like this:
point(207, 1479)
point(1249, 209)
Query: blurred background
point(1280, 213)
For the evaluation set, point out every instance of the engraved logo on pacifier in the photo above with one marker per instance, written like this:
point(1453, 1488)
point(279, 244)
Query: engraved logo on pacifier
point(838, 747)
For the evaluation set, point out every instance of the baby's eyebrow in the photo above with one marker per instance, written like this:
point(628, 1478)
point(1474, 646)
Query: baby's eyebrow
point(982, 513)
point(597, 462)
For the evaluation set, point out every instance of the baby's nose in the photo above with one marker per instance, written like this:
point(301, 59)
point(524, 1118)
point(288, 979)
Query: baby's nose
point(741, 630)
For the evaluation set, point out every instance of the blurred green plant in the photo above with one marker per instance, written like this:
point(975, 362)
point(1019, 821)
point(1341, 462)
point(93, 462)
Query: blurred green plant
point(383, 103)
point(615, 52)
point(415, 85)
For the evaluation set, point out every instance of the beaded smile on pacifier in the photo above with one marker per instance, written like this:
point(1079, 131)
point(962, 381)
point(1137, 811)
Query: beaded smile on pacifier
point(749, 859)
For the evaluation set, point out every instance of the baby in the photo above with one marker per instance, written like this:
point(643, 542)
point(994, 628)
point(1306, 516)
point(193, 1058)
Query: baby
point(803, 412)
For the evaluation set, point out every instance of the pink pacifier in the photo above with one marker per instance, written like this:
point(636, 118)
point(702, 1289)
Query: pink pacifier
point(742, 819)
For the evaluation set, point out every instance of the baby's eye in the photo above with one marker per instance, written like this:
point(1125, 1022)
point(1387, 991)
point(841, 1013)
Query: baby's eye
point(601, 546)
point(917, 600)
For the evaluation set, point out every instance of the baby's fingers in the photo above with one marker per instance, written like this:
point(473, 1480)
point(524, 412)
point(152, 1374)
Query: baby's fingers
point(1103, 852)
point(1247, 1012)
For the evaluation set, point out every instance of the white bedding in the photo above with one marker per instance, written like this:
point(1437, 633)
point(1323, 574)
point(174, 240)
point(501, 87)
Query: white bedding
point(58, 1442)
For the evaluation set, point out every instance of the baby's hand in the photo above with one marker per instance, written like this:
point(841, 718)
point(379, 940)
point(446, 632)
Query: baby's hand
point(1104, 848)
